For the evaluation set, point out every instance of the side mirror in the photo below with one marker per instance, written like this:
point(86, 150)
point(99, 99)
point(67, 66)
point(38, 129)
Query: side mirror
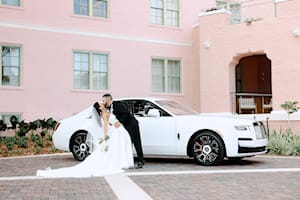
point(153, 113)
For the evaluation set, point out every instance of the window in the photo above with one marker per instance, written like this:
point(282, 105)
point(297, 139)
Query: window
point(90, 71)
point(166, 76)
point(100, 8)
point(9, 66)
point(6, 117)
point(11, 2)
point(165, 12)
point(96, 8)
point(140, 108)
point(234, 8)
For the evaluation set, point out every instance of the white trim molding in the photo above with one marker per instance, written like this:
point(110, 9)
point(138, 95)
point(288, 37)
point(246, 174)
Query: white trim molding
point(278, 1)
point(223, 10)
point(95, 34)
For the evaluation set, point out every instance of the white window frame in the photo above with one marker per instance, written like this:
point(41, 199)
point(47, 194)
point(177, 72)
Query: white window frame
point(90, 9)
point(90, 68)
point(235, 16)
point(20, 64)
point(20, 4)
point(164, 20)
point(17, 114)
point(165, 61)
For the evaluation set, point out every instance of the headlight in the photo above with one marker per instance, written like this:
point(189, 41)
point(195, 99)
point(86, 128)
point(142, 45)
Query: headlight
point(241, 128)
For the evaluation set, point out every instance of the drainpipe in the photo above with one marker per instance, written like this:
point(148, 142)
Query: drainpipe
point(275, 8)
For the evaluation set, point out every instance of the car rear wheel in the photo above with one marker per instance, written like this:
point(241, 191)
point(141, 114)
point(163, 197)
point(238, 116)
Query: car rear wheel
point(78, 146)
point(208, 149)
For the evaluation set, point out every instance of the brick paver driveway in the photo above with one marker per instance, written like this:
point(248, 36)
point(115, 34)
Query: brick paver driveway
point(261, 177)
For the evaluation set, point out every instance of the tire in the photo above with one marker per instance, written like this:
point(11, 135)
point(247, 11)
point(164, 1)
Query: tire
point(78, 146)
point(208, 149)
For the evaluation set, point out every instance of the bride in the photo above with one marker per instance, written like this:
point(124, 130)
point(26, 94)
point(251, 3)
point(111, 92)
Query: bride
point(113, 154)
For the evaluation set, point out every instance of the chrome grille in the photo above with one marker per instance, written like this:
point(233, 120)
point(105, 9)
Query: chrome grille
point(260, 130)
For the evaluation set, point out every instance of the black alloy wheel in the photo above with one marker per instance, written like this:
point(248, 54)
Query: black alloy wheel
point(78, 146)
point(208, 149)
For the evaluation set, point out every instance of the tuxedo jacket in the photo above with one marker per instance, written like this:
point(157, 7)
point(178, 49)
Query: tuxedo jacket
point(122, 113)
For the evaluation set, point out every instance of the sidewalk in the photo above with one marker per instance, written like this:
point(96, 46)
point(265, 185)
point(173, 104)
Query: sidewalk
point(261, 177)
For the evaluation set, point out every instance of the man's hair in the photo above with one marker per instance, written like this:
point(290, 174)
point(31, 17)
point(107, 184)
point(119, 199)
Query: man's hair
point(107, 95)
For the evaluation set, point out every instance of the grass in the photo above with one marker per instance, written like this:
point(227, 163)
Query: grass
point(284, 143)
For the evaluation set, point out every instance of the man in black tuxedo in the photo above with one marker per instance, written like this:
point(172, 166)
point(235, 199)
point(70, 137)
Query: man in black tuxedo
point(121, 111)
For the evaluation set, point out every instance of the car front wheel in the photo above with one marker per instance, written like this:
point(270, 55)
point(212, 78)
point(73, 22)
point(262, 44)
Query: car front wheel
point(78, 146)
point(208, 148)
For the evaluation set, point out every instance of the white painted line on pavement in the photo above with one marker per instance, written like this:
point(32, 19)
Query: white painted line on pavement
point(69, 153)
point(157, 173)
point(36, 156)
point(125, 189)
point(16, 178)
point(275, 156)
point(225, 171)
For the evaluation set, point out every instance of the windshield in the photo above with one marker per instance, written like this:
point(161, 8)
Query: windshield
point(176, 108)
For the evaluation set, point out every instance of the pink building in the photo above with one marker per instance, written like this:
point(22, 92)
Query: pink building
point(58, 57)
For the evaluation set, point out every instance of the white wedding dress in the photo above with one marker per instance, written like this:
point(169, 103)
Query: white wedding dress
point(100, 163)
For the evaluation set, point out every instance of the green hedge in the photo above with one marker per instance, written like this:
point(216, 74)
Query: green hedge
point(22, 128)
point(284, 143)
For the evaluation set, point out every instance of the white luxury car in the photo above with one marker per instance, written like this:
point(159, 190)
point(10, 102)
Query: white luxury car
point(169, 129)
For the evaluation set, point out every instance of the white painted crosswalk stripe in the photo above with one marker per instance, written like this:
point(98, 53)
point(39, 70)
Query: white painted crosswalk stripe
point(125, 189)
point(157, 173)
point(225, 171)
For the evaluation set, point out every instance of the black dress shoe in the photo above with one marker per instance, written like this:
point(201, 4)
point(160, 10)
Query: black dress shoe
point(139, 165)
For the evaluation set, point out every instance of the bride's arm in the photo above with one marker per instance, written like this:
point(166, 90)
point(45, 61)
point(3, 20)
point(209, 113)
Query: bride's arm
point(105, 117)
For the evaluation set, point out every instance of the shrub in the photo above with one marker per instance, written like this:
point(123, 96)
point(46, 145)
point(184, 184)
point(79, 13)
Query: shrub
point(284, 143)
point(16, 152)
point(290, 107)
point(37, 139)
point(51, 123)
point(10, 142)
point(49, 137)
point(3, 126)
point(1, 139)
point(23, 129)
point(43, 133)
point(14, 121)
point(53, 149)
point(22, 142)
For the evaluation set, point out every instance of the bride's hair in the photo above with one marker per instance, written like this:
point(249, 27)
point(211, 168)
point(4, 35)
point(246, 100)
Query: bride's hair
point(97, 108)
point(97, 113)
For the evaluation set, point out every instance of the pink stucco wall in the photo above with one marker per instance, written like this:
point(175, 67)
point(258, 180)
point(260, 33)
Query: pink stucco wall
point(229, 42)
point(48, 33)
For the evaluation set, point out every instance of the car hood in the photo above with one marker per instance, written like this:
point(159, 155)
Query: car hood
point(216, 119)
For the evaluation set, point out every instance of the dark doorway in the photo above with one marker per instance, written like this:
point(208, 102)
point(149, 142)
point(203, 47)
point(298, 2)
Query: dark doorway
point(254, 84)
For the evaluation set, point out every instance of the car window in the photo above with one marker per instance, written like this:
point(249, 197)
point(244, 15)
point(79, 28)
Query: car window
point(140, 108)
point(176, 108)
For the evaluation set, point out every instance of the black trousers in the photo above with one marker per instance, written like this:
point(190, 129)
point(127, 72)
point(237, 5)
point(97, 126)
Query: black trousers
point(134, 131)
